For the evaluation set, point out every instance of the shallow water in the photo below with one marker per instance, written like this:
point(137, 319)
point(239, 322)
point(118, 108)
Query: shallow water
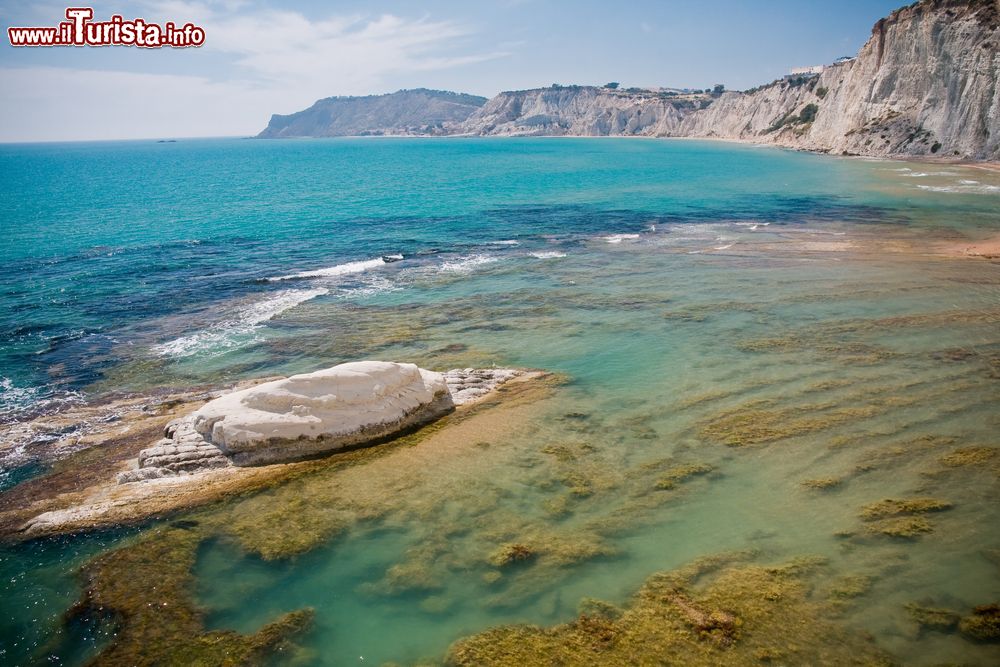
point(775, 316)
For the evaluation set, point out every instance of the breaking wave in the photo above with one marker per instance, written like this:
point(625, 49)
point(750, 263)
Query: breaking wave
point(618, 238)
point(239, 330)
point(333, 271)
point(466, 264)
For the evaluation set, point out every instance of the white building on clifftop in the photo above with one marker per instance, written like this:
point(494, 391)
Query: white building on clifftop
point(812, 69)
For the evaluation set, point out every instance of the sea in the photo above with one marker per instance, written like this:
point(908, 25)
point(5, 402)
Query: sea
point(803, 328)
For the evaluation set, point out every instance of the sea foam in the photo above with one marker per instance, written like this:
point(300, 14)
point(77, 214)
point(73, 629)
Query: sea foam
point(333, 271)
point(618, 238)
point(967, 187)
point(239, 329)
point(466, 264)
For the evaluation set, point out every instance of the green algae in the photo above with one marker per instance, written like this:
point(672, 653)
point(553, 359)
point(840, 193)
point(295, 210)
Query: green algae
point(904, 527)
point(932, 618)
point(899, 453)
point(892, 507)
point(968, 456)
point(595, 608)
point(146, 587)
point(578, 484)
point(760, 422)
point(901, 518)
point(822, 483)
point(843, 352)
point(677, 474)
point(559, 506)
point(983, 624)
point(510, 554)
point(561, 452)
point(336, 493)
point(742, 614)
point(851, 586)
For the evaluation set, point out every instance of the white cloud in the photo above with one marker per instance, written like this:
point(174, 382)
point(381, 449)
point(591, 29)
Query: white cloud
point(55, 104)
point(278, 62)
point(345, 54)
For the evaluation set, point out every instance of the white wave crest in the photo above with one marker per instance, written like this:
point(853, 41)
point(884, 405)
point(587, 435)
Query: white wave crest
point(547, 254)
point(508, 242)
point(12, 397)
point(965, 188)
point(618, 238)
point(467, 264)
point(238, 330)
point(333, 271)
point(921, 174)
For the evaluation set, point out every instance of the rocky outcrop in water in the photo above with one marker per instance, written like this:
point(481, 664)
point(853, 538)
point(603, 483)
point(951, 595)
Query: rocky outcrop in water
point(405, 112)
point(349, 405)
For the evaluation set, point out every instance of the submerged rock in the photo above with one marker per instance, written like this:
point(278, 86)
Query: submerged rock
point(306, 415)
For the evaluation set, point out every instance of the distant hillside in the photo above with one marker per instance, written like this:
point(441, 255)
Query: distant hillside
point(582, 111)
point(420, 111)
point(927, 82)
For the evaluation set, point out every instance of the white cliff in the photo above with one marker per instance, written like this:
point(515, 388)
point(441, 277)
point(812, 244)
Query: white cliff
point(576, 111)
point(927, 82)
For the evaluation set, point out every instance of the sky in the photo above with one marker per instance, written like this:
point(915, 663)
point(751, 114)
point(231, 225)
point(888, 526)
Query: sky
point(263, 57)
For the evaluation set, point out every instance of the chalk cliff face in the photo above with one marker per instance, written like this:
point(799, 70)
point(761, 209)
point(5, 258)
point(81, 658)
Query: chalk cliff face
point(576, 110)
point(926, 82)
point(419, 111)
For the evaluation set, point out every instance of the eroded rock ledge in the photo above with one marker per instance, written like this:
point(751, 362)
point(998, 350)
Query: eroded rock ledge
point(307, 415)
point(188, 469)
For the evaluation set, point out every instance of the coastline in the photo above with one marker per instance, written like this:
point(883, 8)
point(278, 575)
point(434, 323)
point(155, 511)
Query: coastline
point(988, 165)
point(81, 491)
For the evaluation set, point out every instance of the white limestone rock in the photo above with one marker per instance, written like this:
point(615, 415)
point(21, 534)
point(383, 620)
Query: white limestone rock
point(318, 412)
point(467, 385)
point(349, 405)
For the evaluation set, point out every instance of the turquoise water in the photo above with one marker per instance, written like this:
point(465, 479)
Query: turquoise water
point(674, 284)
point(116, 245)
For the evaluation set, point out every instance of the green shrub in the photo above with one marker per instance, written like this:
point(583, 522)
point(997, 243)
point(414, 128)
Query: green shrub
point(808, 113)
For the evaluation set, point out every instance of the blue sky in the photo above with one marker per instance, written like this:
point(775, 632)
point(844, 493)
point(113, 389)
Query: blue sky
point(278, 57)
